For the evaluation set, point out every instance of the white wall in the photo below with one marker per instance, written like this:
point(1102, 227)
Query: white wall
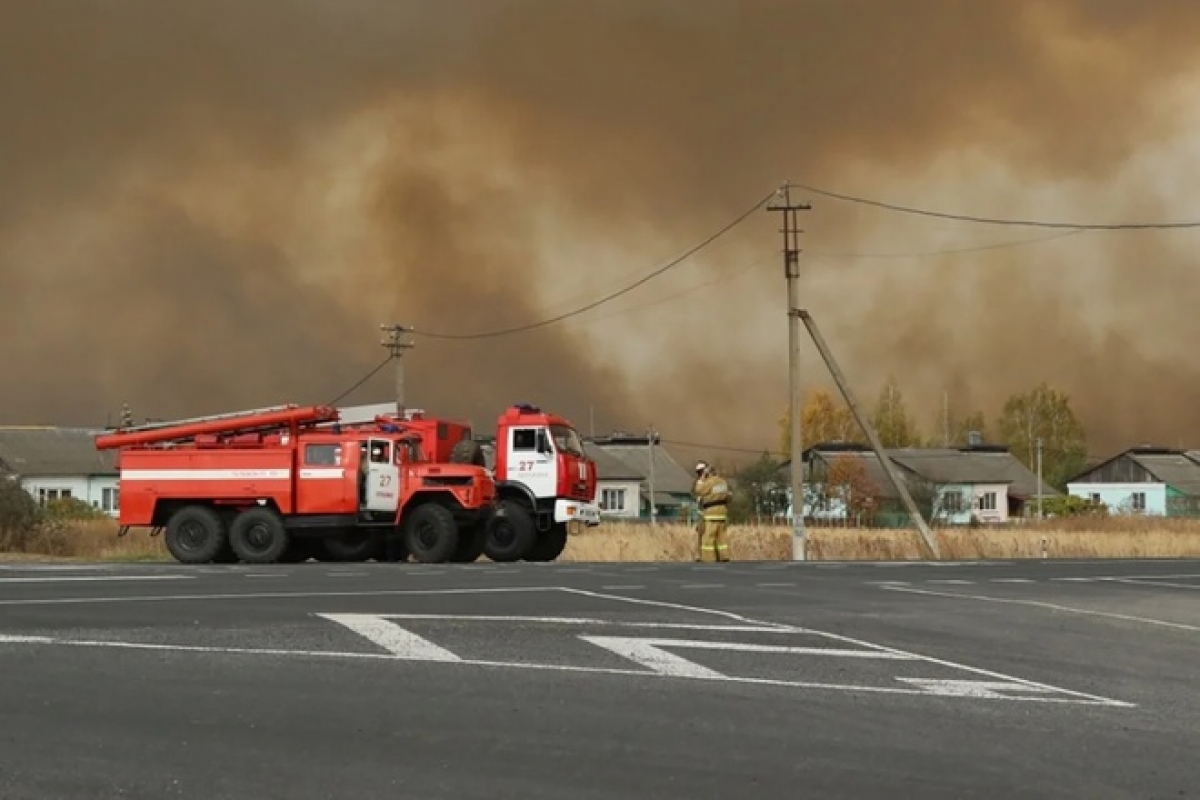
point(631, 490)
point(1119, 497)
point(90, 490)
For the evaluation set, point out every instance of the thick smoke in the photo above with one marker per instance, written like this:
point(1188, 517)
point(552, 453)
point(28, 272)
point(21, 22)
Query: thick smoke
point(212, 206)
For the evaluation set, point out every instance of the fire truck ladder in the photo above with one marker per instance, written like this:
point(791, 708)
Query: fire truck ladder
point(253, 421)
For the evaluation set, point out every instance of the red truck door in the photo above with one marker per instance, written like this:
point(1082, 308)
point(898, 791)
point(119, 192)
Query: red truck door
point(383, 476)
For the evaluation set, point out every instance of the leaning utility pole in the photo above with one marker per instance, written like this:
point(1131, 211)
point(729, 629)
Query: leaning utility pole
point(869, 430)
point(396, 345)
point(791, 267)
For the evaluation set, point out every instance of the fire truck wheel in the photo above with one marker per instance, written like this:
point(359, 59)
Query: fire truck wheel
point(549, 544)
point(510, 534)
point(195, 535)
point(431, 533)
point(258, 536)
point(468, 451)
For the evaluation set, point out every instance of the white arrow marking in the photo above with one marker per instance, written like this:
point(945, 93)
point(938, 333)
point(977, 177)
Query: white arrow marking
point(392, 637)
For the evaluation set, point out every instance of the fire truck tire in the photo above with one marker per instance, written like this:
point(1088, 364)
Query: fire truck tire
point(468, 451)
point(195, 535)
point(511, 534)
point(257, 536)
point(431, 533)
point(549, 544)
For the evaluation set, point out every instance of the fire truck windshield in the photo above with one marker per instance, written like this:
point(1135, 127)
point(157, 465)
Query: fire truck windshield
point(566, 440)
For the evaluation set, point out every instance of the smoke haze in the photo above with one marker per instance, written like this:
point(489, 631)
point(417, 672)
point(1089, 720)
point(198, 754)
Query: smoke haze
point(213, 206)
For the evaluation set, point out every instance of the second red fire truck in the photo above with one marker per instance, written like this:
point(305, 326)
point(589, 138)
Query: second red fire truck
point(286, 483)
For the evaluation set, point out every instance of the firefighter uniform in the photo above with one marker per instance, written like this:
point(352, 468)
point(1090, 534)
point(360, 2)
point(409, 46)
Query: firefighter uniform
point(713, 495)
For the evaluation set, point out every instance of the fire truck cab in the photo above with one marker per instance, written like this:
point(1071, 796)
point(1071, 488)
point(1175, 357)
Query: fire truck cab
point(544, 479)
point(289, 483)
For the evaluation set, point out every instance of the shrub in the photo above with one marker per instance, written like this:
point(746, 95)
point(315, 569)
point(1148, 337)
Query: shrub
point(19, 515)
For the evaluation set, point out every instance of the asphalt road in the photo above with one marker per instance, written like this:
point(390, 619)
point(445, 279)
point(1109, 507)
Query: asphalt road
point(1000, 680)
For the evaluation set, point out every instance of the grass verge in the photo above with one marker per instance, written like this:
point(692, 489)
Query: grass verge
point(97, 540)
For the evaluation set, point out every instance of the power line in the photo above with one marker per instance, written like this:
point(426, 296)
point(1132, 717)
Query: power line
point(363, 380)
point(948, 251)
point(607, 298)
point(1078, 226)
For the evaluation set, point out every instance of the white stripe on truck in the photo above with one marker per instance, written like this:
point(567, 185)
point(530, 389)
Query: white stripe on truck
point(205, 474)
point(322, 473)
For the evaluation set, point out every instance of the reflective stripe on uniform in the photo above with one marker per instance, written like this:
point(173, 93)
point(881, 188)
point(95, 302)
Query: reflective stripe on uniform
point(708, 518)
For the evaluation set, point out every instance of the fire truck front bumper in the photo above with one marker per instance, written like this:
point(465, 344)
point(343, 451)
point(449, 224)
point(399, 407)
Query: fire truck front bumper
point(576, 511)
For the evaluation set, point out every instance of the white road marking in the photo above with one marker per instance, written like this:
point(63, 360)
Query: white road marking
point(1075, 580)
point(1146, 582)
point(1043, 604)
point(693, 626)
point(93, 578)
point(618, 587)
point(960, 583)
point(985, 690)
point(402, 646)
point(167, 598)
point(1013, 580)
point(391, 637)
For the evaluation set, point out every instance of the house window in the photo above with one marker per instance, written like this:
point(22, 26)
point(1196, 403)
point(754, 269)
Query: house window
point(110, 499)
point(50, 495)
point(952, 502)
point(1139, 501)
point(987, 501)
point(1095, 497)
point(612, 500)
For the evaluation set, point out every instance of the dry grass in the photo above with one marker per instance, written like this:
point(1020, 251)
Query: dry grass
point(1095, 538)
point(90, 540)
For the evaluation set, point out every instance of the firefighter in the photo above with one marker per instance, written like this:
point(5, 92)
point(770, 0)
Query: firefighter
point(713, 496)
point(700, 468)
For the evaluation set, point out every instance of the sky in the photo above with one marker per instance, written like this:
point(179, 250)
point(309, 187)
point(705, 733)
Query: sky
point(207, 207)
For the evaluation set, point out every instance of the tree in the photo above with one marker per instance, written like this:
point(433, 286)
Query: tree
point(1044, 413)
point(760, 491)
point(847, 480)
point(892, 421)
point(822, 419)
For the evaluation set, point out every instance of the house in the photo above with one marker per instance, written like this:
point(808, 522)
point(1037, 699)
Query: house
point(1155, 481)
point(951, 486)
point(57, 463)
point(641, 464)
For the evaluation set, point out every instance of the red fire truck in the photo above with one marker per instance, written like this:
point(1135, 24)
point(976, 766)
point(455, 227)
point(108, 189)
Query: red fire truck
point(286, 483)
point(544, 478)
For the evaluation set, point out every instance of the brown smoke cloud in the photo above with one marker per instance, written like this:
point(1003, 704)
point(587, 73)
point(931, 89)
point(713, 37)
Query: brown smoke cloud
point(212, 206)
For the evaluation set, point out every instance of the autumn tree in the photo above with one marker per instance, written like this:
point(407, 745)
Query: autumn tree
point(823, 419)
point(1044, 413)
point(760, 491)
point(892, 420)
point(847, 480)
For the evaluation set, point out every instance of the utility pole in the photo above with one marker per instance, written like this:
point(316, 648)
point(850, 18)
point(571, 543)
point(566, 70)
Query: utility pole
point(396, 345)
point(653, 508)
point(791, 268)
point(1039, 477)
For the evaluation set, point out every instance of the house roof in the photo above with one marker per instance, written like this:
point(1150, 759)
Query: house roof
point(941, 466)
point(609, 467)
point(47, 452)
point(1179, 469)
point(669, 476)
